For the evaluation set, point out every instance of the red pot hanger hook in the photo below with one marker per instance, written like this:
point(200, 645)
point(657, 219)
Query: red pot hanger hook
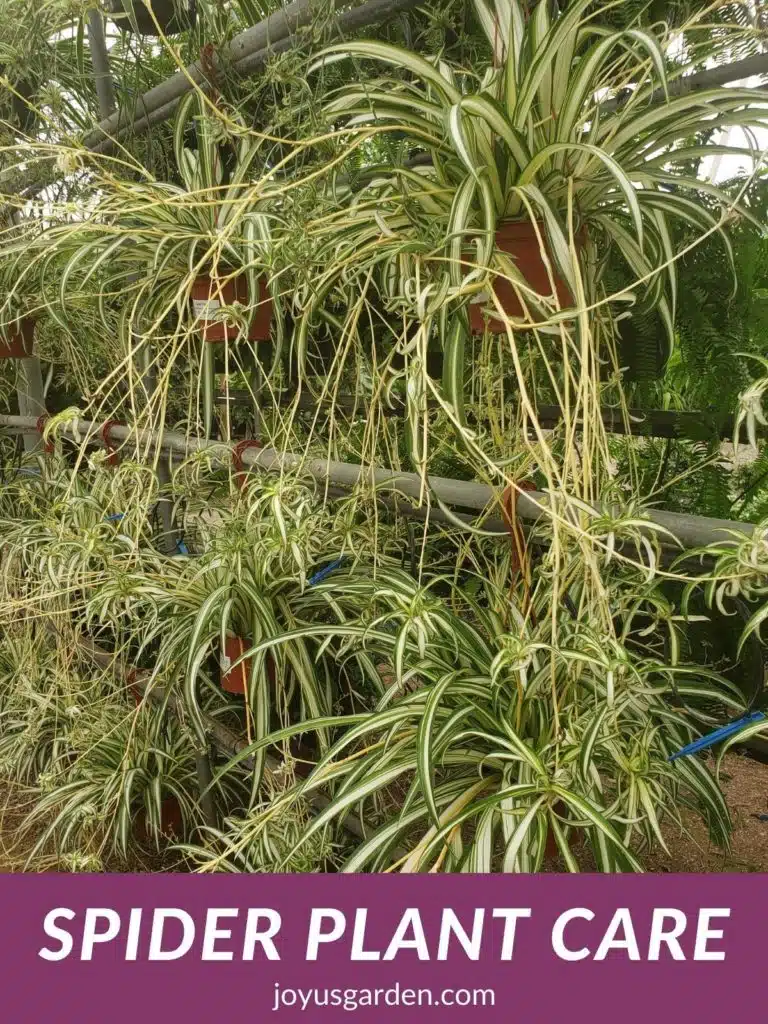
point(512, 523)
point(208, 67)
point(241, 473)
point(112, 456)
point(130, 682)
point(49, 446)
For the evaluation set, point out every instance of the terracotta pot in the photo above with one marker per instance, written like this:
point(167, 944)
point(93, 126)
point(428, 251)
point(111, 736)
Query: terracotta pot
point(172, 17)
point(170, 820)
point(552, 849)
point(518, 239)
point(19, 344)
point(241, 473)
point(207, 299)
point(234, 680)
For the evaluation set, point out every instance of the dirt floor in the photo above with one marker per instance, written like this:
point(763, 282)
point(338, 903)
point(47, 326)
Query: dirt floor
point(746, 787)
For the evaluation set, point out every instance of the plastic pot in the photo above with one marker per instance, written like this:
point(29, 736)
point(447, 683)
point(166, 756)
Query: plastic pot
point(208, 298)
point(18, 344)
point(24, 117)
point(235, 680)
point(518, 239)
point(172, 16)
point(552, 849)
point(170, 820)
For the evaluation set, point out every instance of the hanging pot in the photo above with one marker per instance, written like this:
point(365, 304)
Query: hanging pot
point(18, 344)
point(172, 16)
point(519, 240)
point(235, 680)
point(24, 117)
point(207, 300)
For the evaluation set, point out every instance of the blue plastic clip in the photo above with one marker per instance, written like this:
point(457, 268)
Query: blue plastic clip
point(115, 515)
point(709, 740)
point(182, 548)
point(325, 571)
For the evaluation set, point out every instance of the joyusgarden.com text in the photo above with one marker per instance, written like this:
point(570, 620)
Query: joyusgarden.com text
point(232, 933)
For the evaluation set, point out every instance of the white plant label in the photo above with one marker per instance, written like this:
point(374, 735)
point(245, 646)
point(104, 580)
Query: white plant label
point(205, 309)
point(226, 663)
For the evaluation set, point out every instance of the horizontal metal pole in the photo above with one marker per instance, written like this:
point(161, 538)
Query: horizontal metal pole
point(245, 54)
point(690, 531)
point(712, 78)
point(248, 52)
point(748, 67)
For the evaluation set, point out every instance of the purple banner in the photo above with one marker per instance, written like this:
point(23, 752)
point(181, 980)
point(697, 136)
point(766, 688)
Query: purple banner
point(115, 948)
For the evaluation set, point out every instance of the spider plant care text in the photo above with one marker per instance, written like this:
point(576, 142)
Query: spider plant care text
point(231, 933)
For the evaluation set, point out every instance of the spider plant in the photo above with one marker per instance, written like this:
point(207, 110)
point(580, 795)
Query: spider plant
point(68, 733)
point(66, 533)
point(21, 305)
point(257, 555)
point(537, 133)
point(119, 769)
point(511, 733)
point(35, 696)
point(145, 242)
point(42, 57)
point(269, 848)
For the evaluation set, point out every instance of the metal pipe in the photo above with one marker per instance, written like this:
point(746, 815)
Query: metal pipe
point(749, 67)
point(169, 539)
point(100, 60)
point(248, 53)
point(204, 779)
point(369, 13)
point(690, 531)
